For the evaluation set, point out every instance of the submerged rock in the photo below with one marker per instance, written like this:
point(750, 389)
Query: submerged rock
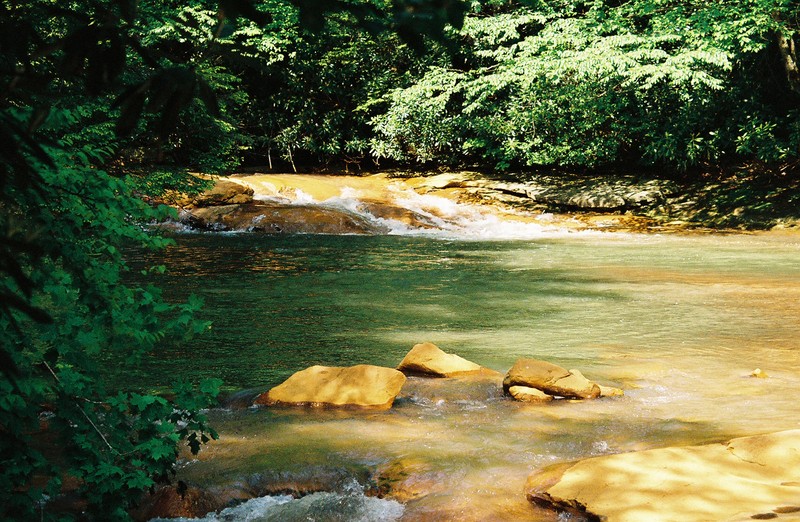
point(408, 479)
point(747, 478)
point(362, 386)
point(551, 379)
point(429, 359)
point(474, 388)
point(305, 480)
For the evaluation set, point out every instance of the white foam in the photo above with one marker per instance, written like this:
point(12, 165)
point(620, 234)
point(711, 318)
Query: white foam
point(345, 506)
point(443, 217)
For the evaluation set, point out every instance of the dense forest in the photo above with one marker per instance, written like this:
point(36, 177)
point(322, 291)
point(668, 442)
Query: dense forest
point(106, 104)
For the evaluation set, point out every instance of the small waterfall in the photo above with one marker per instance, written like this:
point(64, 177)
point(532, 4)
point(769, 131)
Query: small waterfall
point(396, 209)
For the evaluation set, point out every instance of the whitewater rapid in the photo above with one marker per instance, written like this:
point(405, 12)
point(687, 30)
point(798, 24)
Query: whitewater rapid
point(425, 214)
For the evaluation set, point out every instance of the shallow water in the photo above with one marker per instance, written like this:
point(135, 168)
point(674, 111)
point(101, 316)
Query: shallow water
point(678, 322)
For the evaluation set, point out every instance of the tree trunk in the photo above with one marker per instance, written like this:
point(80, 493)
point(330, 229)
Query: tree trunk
point(291, 159)
point(788, 50)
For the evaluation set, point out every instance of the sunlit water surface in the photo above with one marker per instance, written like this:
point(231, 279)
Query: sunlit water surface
point(678, 322)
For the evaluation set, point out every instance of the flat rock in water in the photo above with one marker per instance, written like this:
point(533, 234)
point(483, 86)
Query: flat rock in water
point(362, 386)
point(527, 394)
point(551, 379)
point(610, 391)
point(747, 478)
point(429, 359)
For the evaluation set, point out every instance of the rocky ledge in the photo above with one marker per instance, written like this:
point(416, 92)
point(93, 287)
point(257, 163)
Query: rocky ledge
point(750, 478)
point(744, 199)
point(604, 202)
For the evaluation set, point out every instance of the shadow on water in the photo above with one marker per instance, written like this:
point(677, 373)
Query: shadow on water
point(678, 323)
point(283, 303)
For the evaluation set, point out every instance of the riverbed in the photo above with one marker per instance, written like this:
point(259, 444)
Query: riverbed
point(679, 322)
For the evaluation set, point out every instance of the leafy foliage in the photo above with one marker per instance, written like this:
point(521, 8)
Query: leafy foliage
point(72, 227)
point(94, 95)
point(67, 213)
point(671, 83)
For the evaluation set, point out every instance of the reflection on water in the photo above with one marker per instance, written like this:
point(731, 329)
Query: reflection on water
point(677, 322)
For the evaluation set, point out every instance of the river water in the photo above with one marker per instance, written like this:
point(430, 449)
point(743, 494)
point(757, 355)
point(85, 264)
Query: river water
point(679, 322)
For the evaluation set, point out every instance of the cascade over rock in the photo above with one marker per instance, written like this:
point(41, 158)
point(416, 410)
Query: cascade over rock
point(429, 359)
point(551, 379)
point(748, 478)
point(623, 202)
point(389, 211)
point(279, 219)
point(361, 386)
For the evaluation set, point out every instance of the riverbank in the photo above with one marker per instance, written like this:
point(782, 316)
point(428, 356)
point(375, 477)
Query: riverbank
point(740, 200)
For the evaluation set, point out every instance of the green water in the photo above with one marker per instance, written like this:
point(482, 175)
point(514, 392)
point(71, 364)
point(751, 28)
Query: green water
point(678, 322)
point(279, 304)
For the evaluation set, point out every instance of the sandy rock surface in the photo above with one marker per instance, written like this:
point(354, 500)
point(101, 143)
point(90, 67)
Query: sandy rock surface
point(429, 359)
point(551, 379)
point(748, 478)
point(361, 386)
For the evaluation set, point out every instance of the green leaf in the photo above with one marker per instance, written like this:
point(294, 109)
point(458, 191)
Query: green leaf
point(210, 386)
point(141, 402)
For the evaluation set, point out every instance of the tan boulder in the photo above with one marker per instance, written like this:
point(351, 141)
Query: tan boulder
point(275, 218)
point(429, 359)
point(223, 192)
point(747, 478)
point(610, 391)
point(362, 386)
point(551, 379)
point(527, 394)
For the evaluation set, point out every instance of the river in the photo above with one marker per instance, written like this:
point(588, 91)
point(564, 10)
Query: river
point(679, 322)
